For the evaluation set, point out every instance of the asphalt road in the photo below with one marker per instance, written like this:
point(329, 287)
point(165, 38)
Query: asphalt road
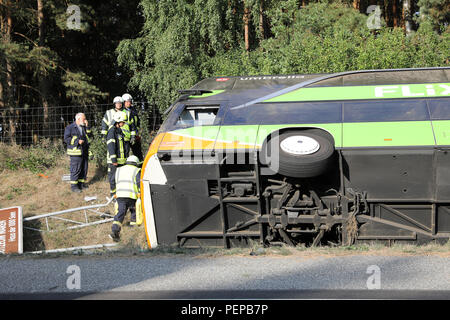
point(232, 277)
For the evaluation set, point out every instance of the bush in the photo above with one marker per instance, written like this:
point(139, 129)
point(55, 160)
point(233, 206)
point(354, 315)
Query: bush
point(98, 149)
point(36, 159)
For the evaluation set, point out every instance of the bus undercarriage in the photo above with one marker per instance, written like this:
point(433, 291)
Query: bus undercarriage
point(215, 203)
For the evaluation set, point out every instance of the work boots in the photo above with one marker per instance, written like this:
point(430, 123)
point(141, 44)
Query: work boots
point(75, 188)
point(115, 236)
point(82, 185)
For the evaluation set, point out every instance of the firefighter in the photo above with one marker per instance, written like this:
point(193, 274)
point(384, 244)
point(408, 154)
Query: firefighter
point(127, 179)
point(135, 143)
point(116, 151)
point(128, 129)
point(109, 114)
point(76, 137)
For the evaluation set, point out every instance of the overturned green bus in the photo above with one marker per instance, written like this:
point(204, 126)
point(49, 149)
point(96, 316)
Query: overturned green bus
point(311, 159)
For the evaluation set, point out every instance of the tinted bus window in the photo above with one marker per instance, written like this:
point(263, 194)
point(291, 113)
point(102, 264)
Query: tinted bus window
point(285, 113)
point(439, 109)
point(385, 110)
point(197, 116)
point(184, 116)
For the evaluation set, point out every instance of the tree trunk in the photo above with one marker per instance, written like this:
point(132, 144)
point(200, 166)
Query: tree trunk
point(43, 79)
point(6, 95)
point(2, 111)
point(388, 12)
point(246, 19)
point(407, 16)
point(395, 13)
point(2, 67)
point(262, 29)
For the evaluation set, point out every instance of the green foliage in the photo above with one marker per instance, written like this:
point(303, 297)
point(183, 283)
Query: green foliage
point(432, 49)
point(98, 148)
point(36, 159)
point(35, 56)
point(436, 12)
point(79, 88)
point(389, 49)
point(334, 38)
point(178, 37)
point(146, 135)
point(232, 63)
point(185, 42)
point(53, 63)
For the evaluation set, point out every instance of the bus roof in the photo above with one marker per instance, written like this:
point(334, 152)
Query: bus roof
point(348, 78)
point(254, 89)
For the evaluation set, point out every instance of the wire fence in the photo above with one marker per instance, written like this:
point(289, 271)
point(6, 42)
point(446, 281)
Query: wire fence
point(27, 126)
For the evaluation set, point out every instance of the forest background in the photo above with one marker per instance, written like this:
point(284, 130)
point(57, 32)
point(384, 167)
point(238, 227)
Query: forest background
point(83, 53)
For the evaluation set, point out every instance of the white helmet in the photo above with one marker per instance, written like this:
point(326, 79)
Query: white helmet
point(120, 117)
point(133, 159)
point(118, 99)
point(127, 97)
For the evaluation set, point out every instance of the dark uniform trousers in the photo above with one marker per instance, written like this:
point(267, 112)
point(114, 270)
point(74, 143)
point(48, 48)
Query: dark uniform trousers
point(111, 177)
point(124, 204)
point(78, 168)
point(116, 147)
point(137, 150)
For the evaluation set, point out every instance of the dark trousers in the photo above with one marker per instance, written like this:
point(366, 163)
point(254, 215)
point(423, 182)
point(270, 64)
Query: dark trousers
point(124, 204)
point(112, 178)
point(137, 150)
point(127, 148)
point(78, 170)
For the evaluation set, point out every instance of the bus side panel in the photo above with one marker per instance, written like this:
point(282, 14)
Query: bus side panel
point(441, 130)
point(400, 185)
point(390, 173)
point(236, 137)
point(183, 204)
point(443, 174)
point(335, 129)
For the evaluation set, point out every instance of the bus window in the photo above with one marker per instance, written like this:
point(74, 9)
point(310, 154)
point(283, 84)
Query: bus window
point(197, 116)
point(439, 109)
point(386, 110)
point(286, 113)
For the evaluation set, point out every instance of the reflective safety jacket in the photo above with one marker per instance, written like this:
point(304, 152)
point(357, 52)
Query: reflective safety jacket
point(72, 136)
point(115, 144)
point(128, 179)
point(128, 129)
point(134, 116)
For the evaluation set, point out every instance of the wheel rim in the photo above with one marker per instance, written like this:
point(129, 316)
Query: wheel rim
point(299, 145)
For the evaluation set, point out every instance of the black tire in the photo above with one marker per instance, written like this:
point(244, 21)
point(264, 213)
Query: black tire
point(312, 164)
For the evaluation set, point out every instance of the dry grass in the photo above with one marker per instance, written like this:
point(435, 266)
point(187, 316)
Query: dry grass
point(373, 249)
point(48, 193)
point(41, 194)
point(376, 249)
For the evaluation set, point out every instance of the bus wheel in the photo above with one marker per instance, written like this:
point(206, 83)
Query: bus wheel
point(302, 153)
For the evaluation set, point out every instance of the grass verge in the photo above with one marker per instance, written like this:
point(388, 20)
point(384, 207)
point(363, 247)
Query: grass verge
point(38, 188)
